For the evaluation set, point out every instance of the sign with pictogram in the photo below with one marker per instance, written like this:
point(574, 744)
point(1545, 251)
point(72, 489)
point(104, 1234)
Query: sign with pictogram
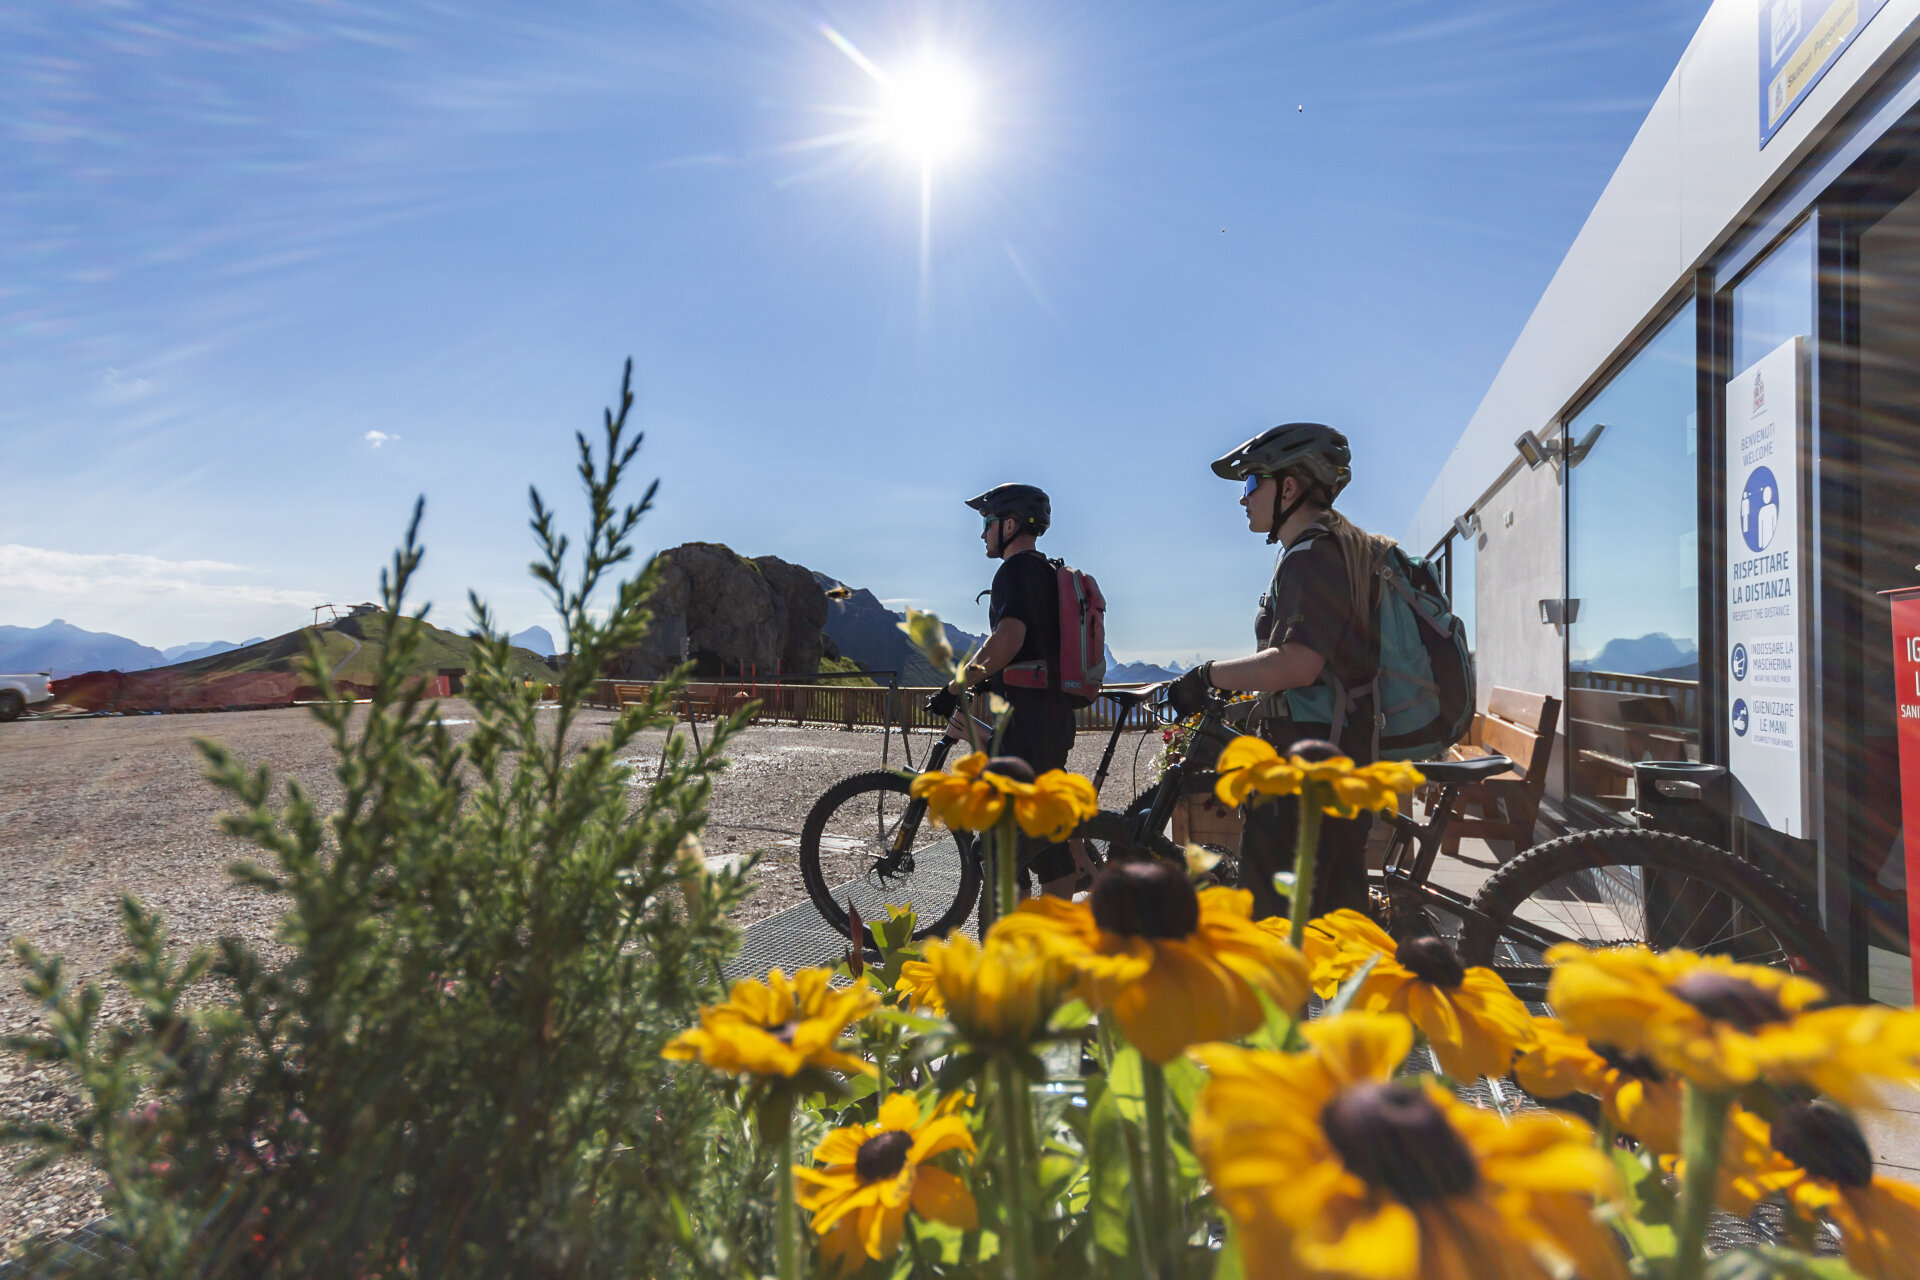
point(1766, 581)
point(1799, 40)
point(1906, 697)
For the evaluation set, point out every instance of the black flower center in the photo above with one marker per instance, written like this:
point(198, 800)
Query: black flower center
point(1315, 749)
point(1393, 1137)
point(785, 1031)
point(1011, 767)
point(1825, 1141)
point(1725, 998)
point(1145, 898)
point(1430, 959)
point(1630, 1063)
point(883, 1156)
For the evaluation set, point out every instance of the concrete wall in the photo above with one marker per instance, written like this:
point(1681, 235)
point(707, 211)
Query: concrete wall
point(1520, 563)
point(1689, 181)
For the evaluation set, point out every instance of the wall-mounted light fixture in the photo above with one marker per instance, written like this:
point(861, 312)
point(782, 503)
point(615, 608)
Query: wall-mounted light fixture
point(1533, 449)
point(1578, 451)
point(1559, 613)
point(1467, 525)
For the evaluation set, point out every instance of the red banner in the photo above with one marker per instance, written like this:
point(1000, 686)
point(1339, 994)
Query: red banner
point(1906, 692)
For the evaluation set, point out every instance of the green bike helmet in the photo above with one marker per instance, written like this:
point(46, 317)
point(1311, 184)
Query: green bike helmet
point(1311, 449)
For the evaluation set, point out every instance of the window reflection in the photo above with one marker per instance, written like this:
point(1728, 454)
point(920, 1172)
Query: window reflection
point(1633, 653)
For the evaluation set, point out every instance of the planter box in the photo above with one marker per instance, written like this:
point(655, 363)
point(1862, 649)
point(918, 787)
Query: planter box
point(1204, 820)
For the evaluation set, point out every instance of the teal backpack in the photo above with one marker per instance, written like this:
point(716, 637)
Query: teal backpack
point(1423, 694)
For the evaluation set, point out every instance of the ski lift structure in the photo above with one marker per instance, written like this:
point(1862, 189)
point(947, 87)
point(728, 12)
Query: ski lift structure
point(333, 613)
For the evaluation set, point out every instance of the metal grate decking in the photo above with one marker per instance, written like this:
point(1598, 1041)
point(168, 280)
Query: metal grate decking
point(800, 936)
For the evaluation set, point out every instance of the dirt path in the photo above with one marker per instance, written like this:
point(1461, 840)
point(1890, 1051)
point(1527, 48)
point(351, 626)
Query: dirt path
point(91, 809)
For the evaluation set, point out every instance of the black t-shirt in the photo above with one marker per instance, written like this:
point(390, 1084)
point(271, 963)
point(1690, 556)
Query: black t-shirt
point(1026, 587)
point(1311, 603)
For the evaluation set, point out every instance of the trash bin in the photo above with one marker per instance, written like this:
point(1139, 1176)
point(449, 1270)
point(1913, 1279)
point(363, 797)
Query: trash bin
point(1684, 797)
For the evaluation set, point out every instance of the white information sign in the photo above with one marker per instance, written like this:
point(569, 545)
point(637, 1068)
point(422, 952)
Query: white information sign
point(1766, 582)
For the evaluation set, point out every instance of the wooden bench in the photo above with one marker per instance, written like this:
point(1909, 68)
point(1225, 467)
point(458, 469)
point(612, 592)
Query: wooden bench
point(1520, 726)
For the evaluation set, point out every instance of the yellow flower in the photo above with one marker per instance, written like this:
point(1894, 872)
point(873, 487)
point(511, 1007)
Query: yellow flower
point(1250, 765)
point(873, 1173)
point(1831, 1175)
point(1000, 995)
point(1637, 1099)
point(1473, 1022)
point(1750, 1170)
point(1330, 1167)
point(916, 979)
point(975, 795)
point(777, 1028)
point(1175, 967)
point(1722, 1025)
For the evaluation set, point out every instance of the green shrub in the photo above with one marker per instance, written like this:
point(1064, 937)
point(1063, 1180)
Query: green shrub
point(455, 1070)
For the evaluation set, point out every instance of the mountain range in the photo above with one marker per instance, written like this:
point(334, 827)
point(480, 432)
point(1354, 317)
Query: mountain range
point(63, 650)
point(1656, 654)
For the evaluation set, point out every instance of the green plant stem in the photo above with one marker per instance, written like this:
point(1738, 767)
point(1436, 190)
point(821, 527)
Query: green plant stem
point(1306, 851)
point(1006, 847)
point(787, 1220)
point(1703, 1119)
point(1019, 1234)
point(1164, 1215)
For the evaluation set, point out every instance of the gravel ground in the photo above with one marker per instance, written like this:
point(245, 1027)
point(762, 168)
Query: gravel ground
point(94, 808)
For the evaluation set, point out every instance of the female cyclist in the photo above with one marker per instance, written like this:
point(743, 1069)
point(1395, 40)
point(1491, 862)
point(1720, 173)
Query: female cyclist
point(1316, 650)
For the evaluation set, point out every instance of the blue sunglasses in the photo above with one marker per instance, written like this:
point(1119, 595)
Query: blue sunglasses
point(1253, 482)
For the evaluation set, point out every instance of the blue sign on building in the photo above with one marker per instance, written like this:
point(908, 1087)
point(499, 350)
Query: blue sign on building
point(1799, 40)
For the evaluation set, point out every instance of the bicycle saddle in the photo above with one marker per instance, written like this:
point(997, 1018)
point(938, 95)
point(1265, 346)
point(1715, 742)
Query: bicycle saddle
point(1131, 697)
point(1457, 772)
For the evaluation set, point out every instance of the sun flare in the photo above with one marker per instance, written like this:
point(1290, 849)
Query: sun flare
point(927, 110)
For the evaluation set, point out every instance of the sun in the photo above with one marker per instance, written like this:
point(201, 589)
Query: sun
point(926, 110)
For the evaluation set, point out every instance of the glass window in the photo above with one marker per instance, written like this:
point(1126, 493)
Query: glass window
point(1633, 652)
point(1462, 590)
point(1774, 301)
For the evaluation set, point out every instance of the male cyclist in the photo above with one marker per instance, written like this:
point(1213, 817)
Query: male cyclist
point(1316, 653)
point(1024, 612)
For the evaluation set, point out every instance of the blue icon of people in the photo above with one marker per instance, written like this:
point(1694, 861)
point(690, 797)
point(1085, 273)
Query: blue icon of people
point(1760, 509)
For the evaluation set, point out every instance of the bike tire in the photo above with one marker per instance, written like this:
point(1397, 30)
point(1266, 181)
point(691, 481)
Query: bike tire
point(852, 826)
point(1706, 899)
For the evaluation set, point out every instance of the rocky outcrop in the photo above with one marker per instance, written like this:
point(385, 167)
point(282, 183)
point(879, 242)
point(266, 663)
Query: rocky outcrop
point(730, 615)
point(799, 613)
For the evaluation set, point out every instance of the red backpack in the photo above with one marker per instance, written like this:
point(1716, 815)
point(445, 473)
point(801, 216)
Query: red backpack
point(1083, 641)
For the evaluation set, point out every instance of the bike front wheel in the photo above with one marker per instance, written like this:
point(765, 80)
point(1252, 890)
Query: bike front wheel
point(868, 845)
point(1627, 887)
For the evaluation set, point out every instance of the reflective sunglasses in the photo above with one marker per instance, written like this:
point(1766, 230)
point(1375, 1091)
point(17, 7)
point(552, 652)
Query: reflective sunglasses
point(1253, 482)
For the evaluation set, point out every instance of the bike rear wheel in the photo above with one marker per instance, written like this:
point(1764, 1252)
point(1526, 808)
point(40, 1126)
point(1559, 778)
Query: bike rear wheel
point(1623, 887)
point(860, 845)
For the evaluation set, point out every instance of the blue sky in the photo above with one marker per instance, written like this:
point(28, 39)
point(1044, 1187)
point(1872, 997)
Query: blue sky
point(237, 239)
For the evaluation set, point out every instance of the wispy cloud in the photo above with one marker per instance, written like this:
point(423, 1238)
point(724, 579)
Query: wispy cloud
point(378, 438)
point(128, 578)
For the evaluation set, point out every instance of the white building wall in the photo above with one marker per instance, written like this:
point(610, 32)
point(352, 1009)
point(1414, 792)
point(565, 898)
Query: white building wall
point(1691, 178)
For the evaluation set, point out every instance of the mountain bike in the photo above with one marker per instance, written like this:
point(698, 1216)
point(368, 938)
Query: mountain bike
point(1603, 888)
point(868, 844)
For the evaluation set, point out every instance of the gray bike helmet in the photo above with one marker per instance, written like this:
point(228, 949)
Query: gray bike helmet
point(1024, 502)
point(1312, 449)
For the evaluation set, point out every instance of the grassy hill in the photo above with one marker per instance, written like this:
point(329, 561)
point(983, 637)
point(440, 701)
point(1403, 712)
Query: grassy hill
point(353, 648)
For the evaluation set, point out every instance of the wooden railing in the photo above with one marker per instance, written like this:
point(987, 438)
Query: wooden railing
point(846, 706)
